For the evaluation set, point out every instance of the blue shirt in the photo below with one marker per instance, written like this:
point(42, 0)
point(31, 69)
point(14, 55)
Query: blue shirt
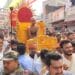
point(26, 62)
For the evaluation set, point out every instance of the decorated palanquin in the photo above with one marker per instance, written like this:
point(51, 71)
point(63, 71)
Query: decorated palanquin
point(23, 21)
point(25, 15)
point(42, 40)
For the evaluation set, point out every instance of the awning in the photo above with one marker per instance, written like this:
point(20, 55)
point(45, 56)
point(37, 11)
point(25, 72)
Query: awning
point(63, 23)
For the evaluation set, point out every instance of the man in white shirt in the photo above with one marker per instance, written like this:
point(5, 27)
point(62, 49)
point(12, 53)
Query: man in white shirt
point(68, 55)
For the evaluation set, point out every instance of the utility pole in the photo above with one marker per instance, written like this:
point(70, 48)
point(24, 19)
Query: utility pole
point(11, 9)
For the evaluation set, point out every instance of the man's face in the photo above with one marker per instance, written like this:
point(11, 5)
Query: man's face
point(33, 48)
point(71, 36)
point(56, 67)
point(14, 47)
point(68, 49)
point(10, 66)
point(1, 44)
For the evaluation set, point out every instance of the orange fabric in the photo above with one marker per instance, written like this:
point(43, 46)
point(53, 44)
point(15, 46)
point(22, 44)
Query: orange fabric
point(22, 32)
point(44, 41)
point(41, 26)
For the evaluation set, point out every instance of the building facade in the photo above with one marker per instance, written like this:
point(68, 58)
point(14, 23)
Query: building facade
point(60, 13)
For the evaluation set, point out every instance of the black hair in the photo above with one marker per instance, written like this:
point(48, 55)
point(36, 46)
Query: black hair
point(21, 48)
point(52, 56)
point(70, 33)
point(43, 53)
point(13, 42)
point(73, 43)
point(64, 42)
point(1, 36)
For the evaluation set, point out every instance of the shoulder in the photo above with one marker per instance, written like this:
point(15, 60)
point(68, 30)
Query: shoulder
point(67, 73)
point(47, 73)
point(19, 71)
point(73, 55)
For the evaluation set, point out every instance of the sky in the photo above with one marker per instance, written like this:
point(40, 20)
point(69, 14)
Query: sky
point(37, 5)
point(2, 3)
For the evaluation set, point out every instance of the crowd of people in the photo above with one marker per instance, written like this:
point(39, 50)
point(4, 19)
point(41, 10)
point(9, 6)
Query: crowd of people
point(15, 60)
